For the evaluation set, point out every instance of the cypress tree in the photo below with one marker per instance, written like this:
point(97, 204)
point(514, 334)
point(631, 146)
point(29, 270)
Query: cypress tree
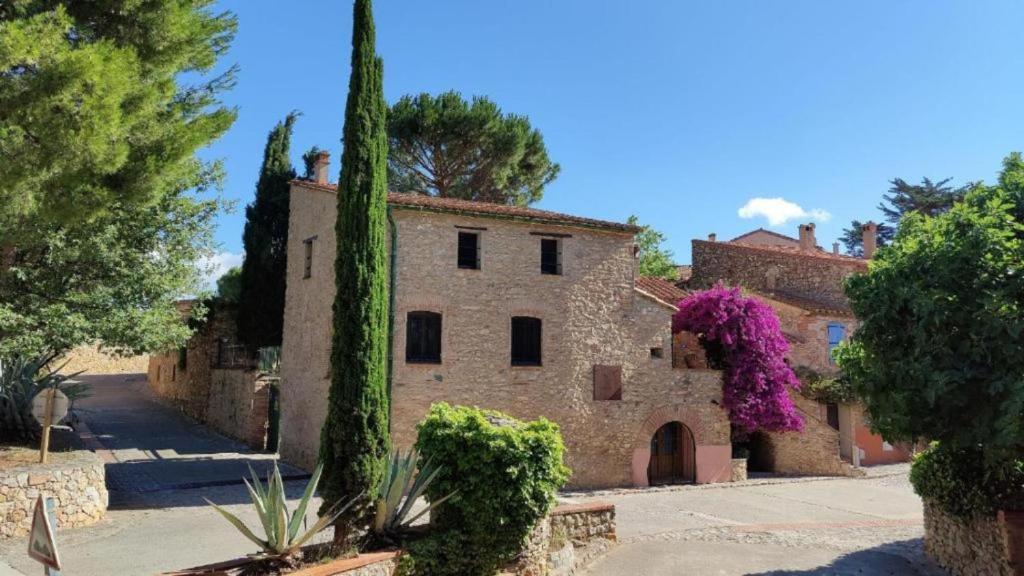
point(261, 302)
point(354, 441)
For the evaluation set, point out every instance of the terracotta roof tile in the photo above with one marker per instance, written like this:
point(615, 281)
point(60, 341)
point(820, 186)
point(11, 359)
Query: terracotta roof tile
point(661, 289)
point(485, 209)
point(791, 251)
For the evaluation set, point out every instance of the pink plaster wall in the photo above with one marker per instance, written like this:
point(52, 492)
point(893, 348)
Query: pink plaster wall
point(714, 464)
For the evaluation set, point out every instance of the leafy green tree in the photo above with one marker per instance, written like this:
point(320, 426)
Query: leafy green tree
point(114, 279)
point(938, 351)
point(355, 439)
point(92, 112)
point(309, 162)
point(655, 259)
point(261, 300)
point(448, 147)
point(229, 285)
point(928, 198)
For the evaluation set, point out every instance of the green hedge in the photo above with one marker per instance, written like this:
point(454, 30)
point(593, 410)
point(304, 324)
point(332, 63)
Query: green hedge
point(963, 484)
point(506, 472)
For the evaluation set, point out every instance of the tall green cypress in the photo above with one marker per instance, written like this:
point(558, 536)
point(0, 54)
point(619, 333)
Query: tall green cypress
point(261, 302)
point(354, 441)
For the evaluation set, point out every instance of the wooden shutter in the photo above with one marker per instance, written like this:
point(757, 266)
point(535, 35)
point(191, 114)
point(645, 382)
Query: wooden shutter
point(607, 382)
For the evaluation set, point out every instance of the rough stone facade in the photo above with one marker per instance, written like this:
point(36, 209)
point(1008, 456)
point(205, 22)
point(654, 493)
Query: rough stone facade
point(214, 382)
point(591, 316)
point(76, 480)
point(568, 540)
point(975, 547)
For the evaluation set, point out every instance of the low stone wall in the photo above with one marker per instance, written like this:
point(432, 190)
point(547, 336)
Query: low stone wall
point(238, 405)
point(75, 479)
point(569, 539)
point(974, 547)
point(92, 360)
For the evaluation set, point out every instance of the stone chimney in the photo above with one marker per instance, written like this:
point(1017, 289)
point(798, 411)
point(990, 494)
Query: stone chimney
point(869, 234)
point(712, 237)
point(807, 241)
point(835, 248)
point(320, 167)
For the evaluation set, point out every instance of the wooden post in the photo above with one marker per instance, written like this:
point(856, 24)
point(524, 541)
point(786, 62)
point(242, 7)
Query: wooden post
point(51, 516)
point(44, 445)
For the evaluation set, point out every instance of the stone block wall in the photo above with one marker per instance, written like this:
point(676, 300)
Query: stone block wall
point(591, 315)
point(568, 540)
point(815, 450)
point(76, 480)
point(975, 547)
point(238, 405)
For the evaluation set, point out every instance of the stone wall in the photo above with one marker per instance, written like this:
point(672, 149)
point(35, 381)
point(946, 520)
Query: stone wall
point(568, 540)
point(810, 273)
point(815, 450)
point(212, 384)
point(75, 479)
point(966, 547)
point(591, 316)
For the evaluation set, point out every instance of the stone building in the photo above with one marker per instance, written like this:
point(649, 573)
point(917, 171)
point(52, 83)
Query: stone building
point(526, 311)
point(803, 283)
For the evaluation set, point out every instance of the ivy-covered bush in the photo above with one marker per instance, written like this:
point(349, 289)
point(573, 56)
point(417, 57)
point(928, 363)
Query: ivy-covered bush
point(963, 484)
point(822, 388)
point(744, 337)
point(506, 473)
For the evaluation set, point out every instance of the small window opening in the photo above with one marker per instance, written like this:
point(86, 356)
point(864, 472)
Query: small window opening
point(526, 341)
point(423, 338)
point(657, 352)
point(469, 251)
point(550, 256)
point(307, 266)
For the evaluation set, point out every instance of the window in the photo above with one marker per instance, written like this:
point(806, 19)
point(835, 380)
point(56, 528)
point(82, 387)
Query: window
point(832, 415)
point(423, 338)
point(526, 334)
point(307, 266)
point(657, 353)
point(836, 333)
point(469, 251)
point(550, 256)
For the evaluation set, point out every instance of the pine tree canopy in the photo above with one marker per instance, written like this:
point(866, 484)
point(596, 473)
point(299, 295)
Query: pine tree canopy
point(91, 110)
point(445, 146)
point(655, 259)
point(928, 198)
point(355, 439)
point(261, 299)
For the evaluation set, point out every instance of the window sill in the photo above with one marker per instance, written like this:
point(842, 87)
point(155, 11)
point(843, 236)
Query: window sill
point(423, 362)
point(526, 366)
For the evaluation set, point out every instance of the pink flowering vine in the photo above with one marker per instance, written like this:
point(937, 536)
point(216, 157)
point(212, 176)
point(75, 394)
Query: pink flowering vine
point(744, 335)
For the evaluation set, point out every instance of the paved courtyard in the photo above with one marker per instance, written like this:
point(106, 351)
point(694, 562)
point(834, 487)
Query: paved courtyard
point(794, 526)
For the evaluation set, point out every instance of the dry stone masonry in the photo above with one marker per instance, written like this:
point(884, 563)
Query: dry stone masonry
point(75, 479)
point(974, 547)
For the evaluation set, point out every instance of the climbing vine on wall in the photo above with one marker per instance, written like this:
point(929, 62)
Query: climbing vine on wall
point(743, 337)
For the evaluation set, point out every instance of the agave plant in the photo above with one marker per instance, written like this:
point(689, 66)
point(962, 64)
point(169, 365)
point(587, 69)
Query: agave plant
point(400, 490)
point(21, 379)
point(281, 528)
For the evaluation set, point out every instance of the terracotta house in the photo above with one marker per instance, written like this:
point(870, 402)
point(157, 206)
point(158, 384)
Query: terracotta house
point(526, 311)
point(803, 283)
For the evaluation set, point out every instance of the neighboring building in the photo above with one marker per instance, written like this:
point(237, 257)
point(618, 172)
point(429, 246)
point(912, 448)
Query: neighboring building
point(515, 309)
point(214, 380)
point(803, 283)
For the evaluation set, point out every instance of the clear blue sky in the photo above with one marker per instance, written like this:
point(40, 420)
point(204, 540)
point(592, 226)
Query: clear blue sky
point(677, 111)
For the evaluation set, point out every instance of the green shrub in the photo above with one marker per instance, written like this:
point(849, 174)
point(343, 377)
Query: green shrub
point(963, 484)
point(506, 473)
point(822, 388)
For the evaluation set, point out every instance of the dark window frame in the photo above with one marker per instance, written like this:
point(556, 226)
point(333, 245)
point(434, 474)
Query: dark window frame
point(307, 264)
point(468, 261)
point(551, 256)
point(527, 341)
point(424, 336)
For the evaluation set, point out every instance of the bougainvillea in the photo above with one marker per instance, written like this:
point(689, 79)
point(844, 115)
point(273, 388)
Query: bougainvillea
point(743, 337)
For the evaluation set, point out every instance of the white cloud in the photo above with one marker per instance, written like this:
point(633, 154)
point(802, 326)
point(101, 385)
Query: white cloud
point(213, 267)
point(778, 211)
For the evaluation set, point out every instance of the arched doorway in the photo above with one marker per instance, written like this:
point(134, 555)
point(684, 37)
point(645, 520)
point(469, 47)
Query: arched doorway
point(673, 455)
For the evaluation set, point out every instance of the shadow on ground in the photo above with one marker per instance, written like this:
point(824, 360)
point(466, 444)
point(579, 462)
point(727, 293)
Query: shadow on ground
point(893, 558)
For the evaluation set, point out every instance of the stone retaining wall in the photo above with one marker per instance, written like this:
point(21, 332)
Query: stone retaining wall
point(77, 481)
point(569, 539)
point(966, 547)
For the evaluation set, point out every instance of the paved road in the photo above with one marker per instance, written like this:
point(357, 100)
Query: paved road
point(794, 527)
point(160, 468)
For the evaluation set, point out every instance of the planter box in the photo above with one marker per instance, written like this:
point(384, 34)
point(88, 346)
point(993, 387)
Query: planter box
point(374, 564)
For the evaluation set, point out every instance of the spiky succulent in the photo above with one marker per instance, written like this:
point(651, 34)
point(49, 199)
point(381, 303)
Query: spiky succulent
point(401, 488)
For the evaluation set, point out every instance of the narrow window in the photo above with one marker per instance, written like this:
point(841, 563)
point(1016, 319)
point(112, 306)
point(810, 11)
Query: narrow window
point(469, 250)
point(550, 256)
point(307, 265)
point(526, 333)
point(657, 353)
point(423, 338)
point(832, 415)
point(836, 333)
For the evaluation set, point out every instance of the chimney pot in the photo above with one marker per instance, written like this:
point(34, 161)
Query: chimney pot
point(320, 167)
point(869, 236)
point(835, 247)
point(712, 237)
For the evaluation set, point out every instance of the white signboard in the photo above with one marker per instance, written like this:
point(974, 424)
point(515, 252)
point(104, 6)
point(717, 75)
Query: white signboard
point(42, 546)
point(58, 409)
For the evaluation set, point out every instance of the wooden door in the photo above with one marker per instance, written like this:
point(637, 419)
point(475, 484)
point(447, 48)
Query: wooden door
point(672, 455)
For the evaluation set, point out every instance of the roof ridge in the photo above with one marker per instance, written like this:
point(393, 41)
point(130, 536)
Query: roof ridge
point(791, 251)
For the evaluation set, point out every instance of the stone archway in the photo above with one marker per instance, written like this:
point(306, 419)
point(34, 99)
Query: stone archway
point(685, 415)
